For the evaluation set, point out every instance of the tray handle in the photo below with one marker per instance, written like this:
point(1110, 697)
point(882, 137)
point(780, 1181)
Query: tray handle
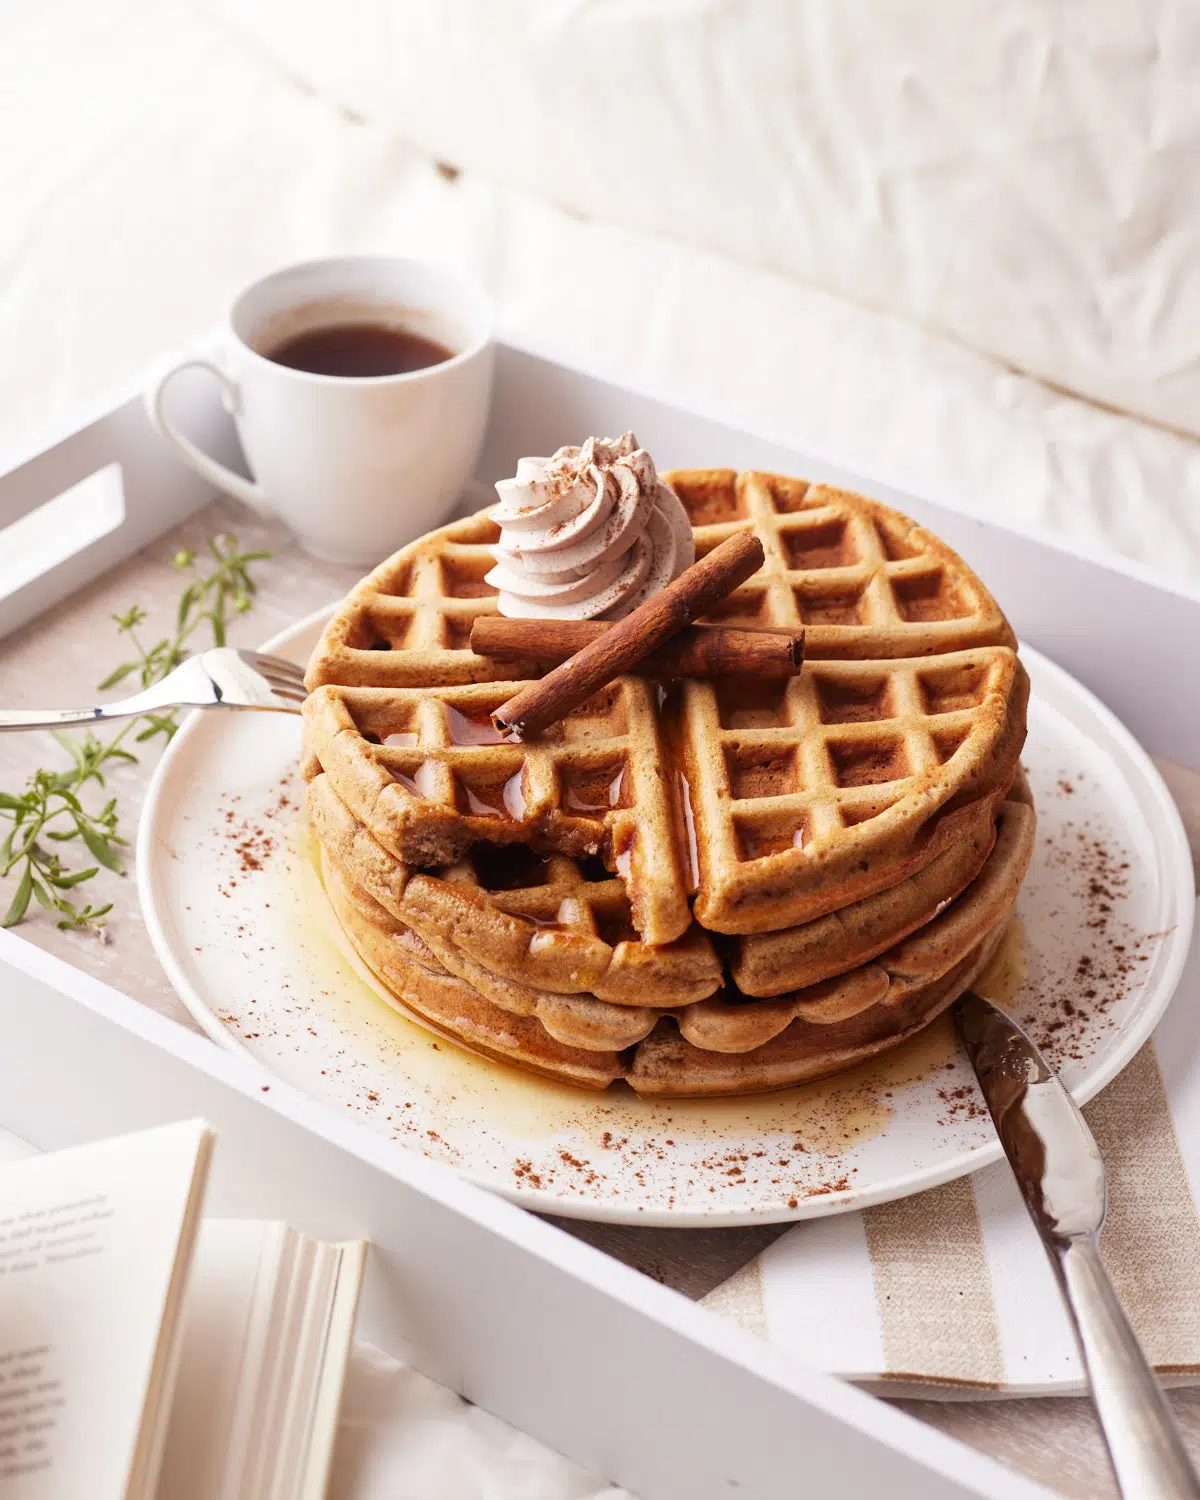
point(88, 501)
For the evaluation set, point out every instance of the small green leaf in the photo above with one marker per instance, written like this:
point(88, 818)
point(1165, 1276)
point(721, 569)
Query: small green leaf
point(53, 795)
point(20, 901)
point(186, 599)
point(131, 619)
point(118, 674)
point(163, 724)
point(100, 849)
point(90, 916)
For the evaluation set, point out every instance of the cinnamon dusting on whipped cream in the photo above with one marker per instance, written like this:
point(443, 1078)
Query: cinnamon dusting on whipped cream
point(588, 534)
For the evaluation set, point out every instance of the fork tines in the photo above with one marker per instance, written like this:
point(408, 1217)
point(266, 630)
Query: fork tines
point(285, 677)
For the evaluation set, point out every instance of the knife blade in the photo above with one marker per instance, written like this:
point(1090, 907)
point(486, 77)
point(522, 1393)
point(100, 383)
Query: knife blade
point(1060, 1172)
point(1052, 1152)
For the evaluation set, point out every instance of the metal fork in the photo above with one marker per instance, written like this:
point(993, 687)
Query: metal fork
point(220, 678)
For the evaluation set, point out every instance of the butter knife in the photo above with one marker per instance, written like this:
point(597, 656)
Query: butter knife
point(1060, 1172)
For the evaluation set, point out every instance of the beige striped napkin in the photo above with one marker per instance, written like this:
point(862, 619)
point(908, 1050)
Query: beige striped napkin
point(950, 1292)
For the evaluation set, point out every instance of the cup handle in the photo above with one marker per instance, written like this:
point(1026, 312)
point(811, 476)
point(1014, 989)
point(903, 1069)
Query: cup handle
point(208, 468)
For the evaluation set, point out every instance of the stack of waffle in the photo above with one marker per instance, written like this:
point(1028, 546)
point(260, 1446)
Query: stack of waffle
point(712, 887)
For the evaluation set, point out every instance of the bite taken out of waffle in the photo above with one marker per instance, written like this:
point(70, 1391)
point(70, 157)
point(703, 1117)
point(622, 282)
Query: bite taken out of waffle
point(701, 887)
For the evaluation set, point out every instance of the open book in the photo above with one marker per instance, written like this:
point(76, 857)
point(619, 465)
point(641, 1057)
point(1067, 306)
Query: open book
point(144, 1351)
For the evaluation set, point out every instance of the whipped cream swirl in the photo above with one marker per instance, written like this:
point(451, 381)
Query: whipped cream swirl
point(588, 534)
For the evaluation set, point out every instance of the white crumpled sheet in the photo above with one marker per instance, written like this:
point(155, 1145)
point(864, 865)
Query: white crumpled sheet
point(153, 164)
point(404, 1438)
point(1019, 176)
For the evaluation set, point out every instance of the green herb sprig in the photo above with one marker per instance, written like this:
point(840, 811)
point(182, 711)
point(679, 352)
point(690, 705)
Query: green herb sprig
point(51, 812)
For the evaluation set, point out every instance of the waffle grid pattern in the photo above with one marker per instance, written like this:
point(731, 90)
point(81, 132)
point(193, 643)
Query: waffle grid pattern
point(850, 757)
point(863, 580)
point(814, 773)
point(408, 624)
point(427, 774)
point(820, 790)
point(789, 800)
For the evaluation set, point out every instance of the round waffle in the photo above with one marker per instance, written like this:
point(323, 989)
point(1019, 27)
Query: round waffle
point(773, 804)
point(665, 1049)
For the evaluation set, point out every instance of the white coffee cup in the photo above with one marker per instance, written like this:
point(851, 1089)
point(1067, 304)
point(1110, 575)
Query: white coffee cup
point(355, 465)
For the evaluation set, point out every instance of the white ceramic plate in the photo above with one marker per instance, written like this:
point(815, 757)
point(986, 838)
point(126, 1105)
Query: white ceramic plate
point(240, 922)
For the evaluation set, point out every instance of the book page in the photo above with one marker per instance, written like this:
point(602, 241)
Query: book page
point(269, 1323)
point(339, 1337)
point(91, 1251)
point(230, 1297)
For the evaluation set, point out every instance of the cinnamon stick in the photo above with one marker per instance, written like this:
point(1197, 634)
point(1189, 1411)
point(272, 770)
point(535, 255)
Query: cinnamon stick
point(632, 639)
point(697, 651)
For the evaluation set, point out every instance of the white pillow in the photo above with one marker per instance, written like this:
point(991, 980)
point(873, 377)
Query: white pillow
point(1021, 176)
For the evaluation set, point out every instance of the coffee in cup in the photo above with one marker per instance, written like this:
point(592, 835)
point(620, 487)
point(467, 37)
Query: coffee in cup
point(360, 389)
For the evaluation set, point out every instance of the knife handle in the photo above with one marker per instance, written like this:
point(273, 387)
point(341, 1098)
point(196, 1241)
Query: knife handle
point(1147, 1452)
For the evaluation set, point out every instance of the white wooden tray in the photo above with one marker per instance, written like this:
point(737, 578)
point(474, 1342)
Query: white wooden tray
point(619, 1373)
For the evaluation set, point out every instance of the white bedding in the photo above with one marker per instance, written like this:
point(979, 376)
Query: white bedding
point(1022, 177)
point(154, 162)
point(404, 1438)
